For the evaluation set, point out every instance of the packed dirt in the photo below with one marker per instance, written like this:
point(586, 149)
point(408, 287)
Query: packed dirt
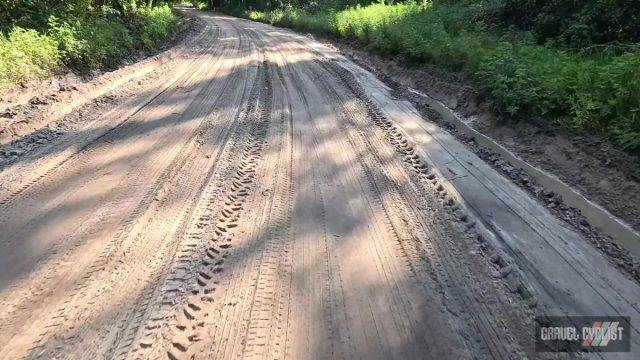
point(587, 162)
point(460, 100)
point(261, 196)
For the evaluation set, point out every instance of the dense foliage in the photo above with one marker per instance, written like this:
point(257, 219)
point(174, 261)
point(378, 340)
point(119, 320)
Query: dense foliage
point(524, 74)
point(38, 37)
point(576, 22)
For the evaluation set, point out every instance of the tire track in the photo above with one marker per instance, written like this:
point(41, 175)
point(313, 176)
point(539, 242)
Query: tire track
point(277, 213)
point(313, 255)
point(449, 261)
point(126, 228)
point(73, 159)
point(70, 245)
point(139, 315)
point(35, 291)
point(206, 135)
point(237, 284)
point(208, 242)
point(265, 335)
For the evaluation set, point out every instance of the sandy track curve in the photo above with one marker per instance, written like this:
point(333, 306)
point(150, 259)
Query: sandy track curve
point(264, 204)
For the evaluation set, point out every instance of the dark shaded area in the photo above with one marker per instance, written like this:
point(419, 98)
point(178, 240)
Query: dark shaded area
point(35, 14)
point(579, 23)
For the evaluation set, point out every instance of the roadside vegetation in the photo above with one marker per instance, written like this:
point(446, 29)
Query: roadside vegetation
point(572, 65)
point(39, 37)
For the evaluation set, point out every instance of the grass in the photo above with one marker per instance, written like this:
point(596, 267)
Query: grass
point(155, 24)
point(101, 42)
point(94, 41)
point(26, 54)
point(521, 79)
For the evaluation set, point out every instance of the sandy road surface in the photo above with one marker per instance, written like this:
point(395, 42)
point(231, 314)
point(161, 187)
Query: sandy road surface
point(264, 202)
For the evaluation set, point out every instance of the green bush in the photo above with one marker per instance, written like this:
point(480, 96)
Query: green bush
point(200, 5)
point(99, 39)
point(25, 54)
point(155, 24)
point(98, 42)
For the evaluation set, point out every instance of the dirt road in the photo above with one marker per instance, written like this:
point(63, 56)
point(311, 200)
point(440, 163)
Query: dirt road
point(269, 199)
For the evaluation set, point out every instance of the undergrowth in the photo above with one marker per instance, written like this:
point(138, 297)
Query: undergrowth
point(26, 54)
point(100, 39)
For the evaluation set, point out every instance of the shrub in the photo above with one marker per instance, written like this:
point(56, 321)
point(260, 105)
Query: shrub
point(81, 41)
point(108, 41)
point(155, 24)
point(92, 43)
point(25, 54)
